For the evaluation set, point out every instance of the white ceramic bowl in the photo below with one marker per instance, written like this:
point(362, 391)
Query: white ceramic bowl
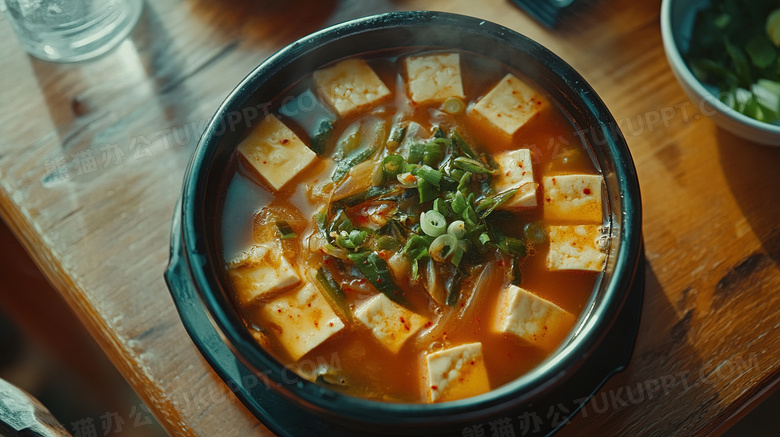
point(677, 18)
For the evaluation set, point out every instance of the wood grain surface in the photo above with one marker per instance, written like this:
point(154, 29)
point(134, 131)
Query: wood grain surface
point(92, 157)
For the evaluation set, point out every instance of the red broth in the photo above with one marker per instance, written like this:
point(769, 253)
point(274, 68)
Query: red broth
point(366, 368)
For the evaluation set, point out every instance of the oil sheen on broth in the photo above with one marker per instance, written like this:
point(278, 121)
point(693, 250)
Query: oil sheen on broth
point(416, 226)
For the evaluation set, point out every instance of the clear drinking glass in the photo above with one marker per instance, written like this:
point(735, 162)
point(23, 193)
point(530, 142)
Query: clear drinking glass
point(71, 30)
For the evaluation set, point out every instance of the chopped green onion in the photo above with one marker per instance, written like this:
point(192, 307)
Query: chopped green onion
point(321, 220)
point(459, 204)
point(416, 153)
point(347, 145)
point(434, 151)
point(462, 145)
point(340, 223)
point(333, 291)
point(285, 231)
point(397, 135)
point(443, 247)
point(464, 181)
point(369, 194)
point(351, 160)
point(393, 165)
point(447, 183)
point(514, 246)
point(497, 200)
point(484, 204)
point(457, 174)
point(470, 217)
point(358, 237)
point(334, 251)
point(411, 168)
point(426, 190)
point(415, 243)
point(319, 142)
point(344, 241)
point(429, 174)
point(440, 206)
point(484, 238)
point(471, 165)
point(438, 132)
point(376, 270)
point(534, 233)
point(387, 243)
point(433, 223)
point(454, 106)
point(457, 256)
point(457, 229)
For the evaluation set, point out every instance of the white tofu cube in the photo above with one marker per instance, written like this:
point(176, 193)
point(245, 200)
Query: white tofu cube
point(456, 373)
point(275, 152)
point(573, 198)
point(516, 171)
point(389, 322)
point(434, 78)
point(577, 247)
point(510, 105)
point(261, 271)
point(301, 320)
point(534, 320)
point(350, 85)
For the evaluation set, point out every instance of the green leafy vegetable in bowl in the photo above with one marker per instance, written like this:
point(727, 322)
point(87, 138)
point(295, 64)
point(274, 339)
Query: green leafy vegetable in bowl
point(735, 46)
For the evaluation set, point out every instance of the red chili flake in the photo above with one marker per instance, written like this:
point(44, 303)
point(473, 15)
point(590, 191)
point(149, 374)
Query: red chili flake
point(285, 141)
point(265, 162)
point(330, 324)
point(378, 279)
point(548, 199)
point(429, 324)
point(586, 190)
point(279, 310)
point(434, 387)
point(402, 320)
point(326, 261)
point(507, 173)
point(473, 362)
point(520, 164)
point(308, 305)
point(498, 115)
point(554, 181)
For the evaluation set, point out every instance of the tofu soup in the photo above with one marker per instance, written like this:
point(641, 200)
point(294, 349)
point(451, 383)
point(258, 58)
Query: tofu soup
point(417, 226)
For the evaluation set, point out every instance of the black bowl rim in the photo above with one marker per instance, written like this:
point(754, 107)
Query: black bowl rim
point(195, 224)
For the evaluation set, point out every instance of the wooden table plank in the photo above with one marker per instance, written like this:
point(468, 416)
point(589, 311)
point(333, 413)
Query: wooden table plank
point(92, 157)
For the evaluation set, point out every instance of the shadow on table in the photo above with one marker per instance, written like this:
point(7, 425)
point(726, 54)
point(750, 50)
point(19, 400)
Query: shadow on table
point(753, 174)
point(663, 367)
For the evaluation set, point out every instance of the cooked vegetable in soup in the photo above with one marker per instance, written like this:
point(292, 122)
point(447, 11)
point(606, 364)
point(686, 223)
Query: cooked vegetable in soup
point(413, 227)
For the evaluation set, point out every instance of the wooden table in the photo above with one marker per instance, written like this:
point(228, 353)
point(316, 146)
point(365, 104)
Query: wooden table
point(92, 157)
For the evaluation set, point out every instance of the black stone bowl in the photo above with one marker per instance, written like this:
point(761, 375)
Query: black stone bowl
point(600, 345)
